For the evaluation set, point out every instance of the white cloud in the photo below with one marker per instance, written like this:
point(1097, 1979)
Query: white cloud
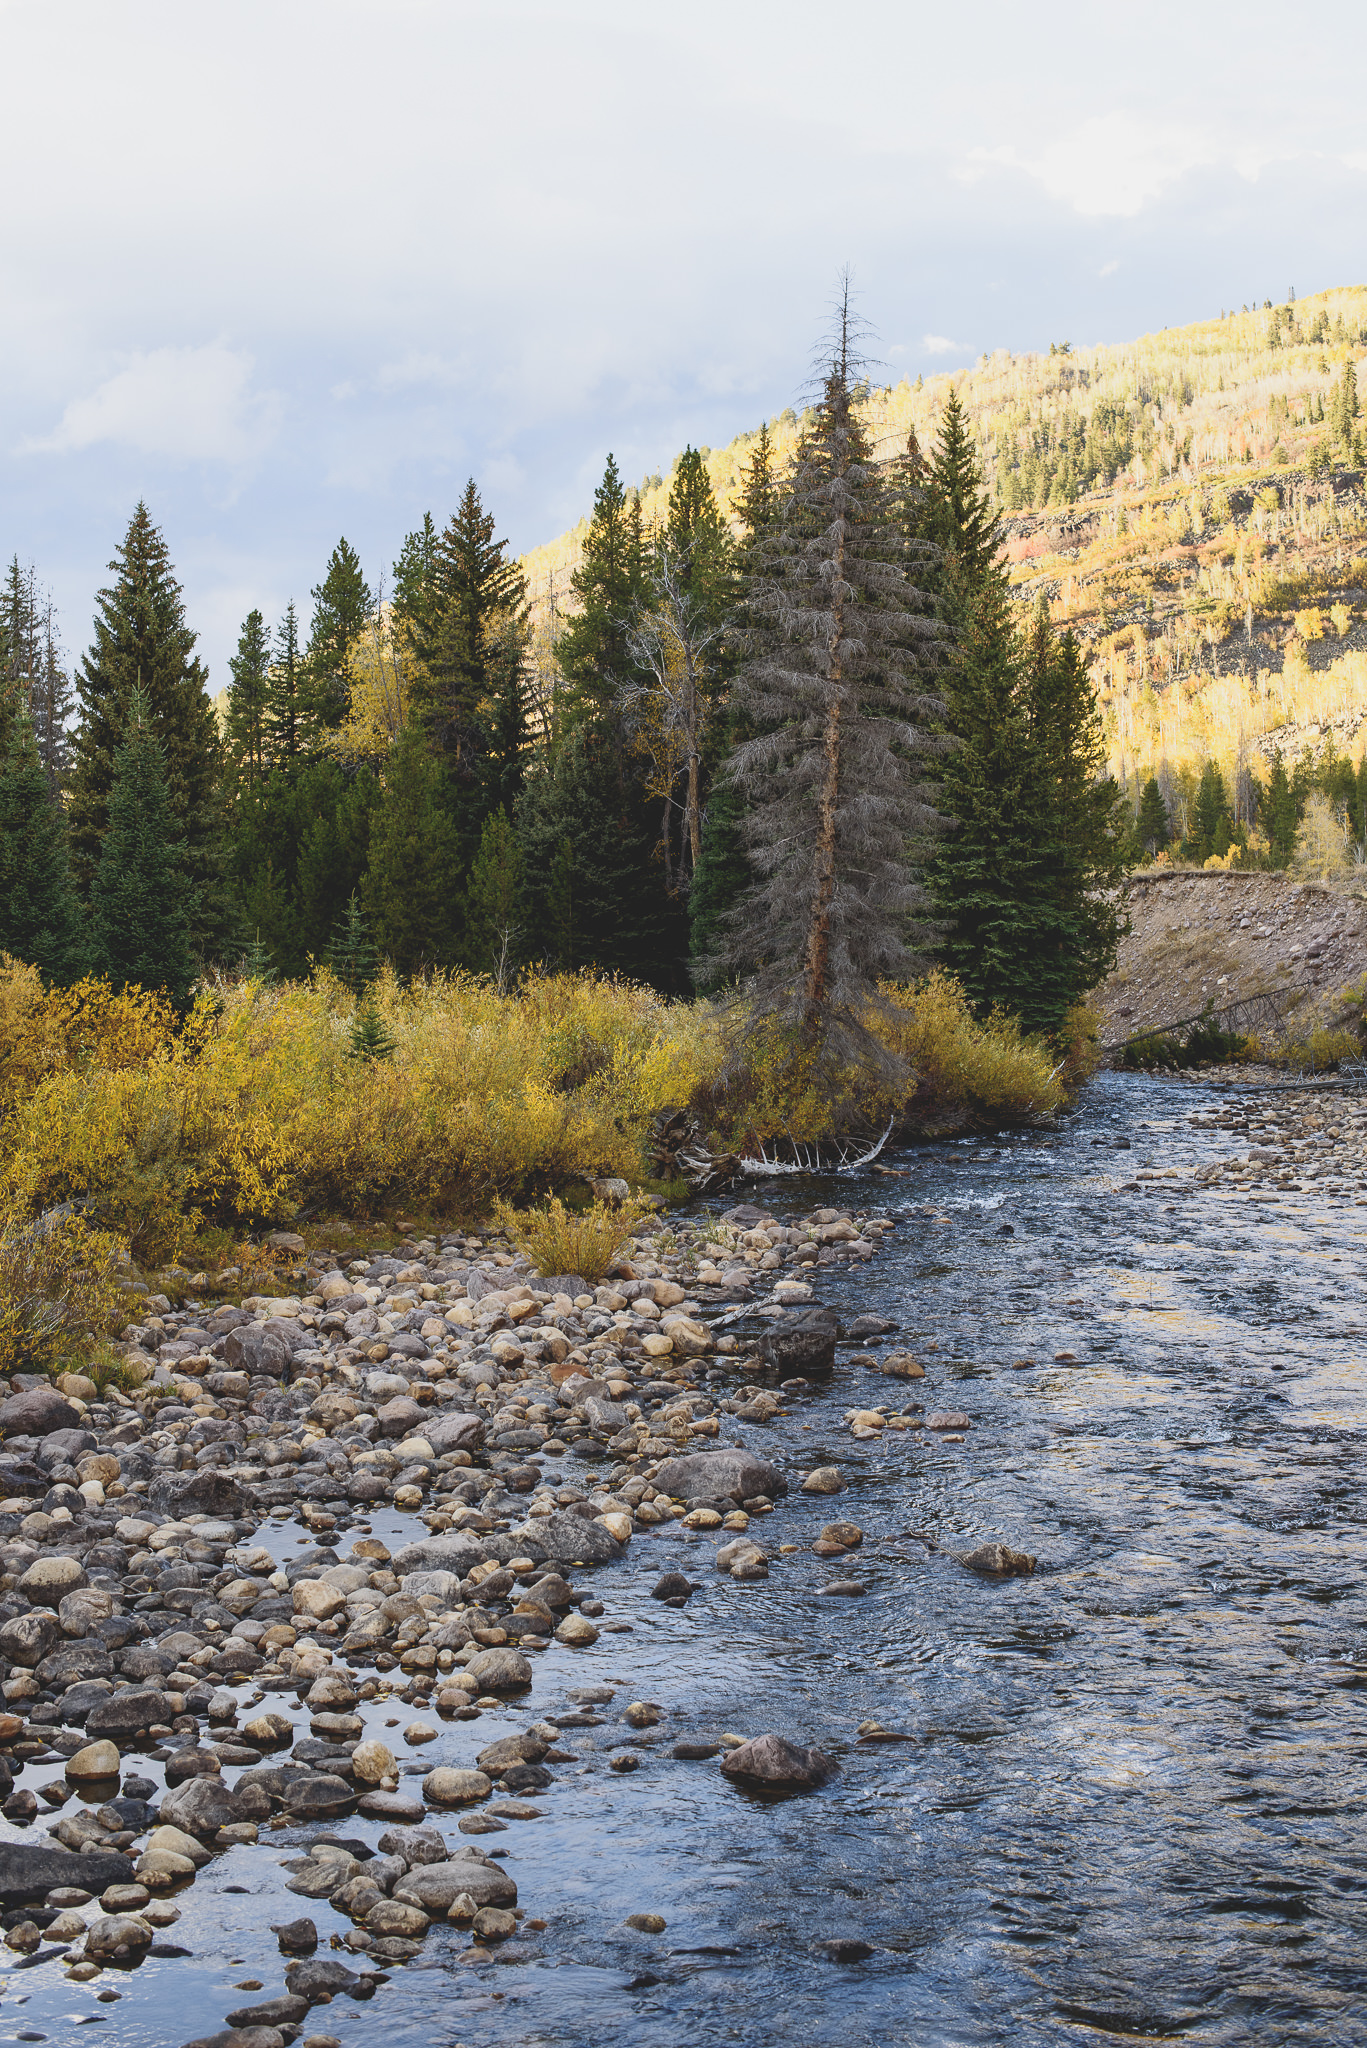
point(192, 404)
point(938, 344)
point(1356, 160)
point(1109, 269)
point(417, 368)
point(1115, 163)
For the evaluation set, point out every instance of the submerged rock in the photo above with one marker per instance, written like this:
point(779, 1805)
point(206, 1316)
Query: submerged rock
point(773, 1760)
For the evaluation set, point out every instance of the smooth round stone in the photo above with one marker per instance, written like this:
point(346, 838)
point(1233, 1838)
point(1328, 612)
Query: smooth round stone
point(825, 1479)
point(703, 1518)
point(392, 1917)
point(849, 1588)
point(97, 1760)
point(125, 1898)
point(577, 1632)
point(48, 1578)
point(391, 1806)
point(113, 1932)
point(449, 1787)
point(417, 1732)
point(647, 1923)
point(373, 1762)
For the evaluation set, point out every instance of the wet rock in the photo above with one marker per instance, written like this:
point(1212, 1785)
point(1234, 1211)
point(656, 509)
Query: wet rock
point(773, 1760)
point(117, 1935)
point(191, 1763)
point(996, 1561)
point(372, 1762)
point(28, 1638)
point(296, 1937)
point(731, 1474)
point(500, 1671)
point(844, 1949)
point(647, 1923)
point(200, 1493)
point(319, 1978)
point(131, 1712)
point(202, 1806)
point(672, 1586)
point(29, 1871)
point(448, 1787)
point(96, 1760)
point(577, 1632)
point(949, 1418)
point(805, 1345)
point(642, 1714)
point(570, 1539)
point(436, 1886)
point(494, 1923)
point(847, 1535)
point(392, 1917)
point(695, 1752)
point(318, 1795)
point(414, 1845)
point(394, 1806)
point(240, 2037)
point(844, 1589)
point(272, 2012)
point(496, 1757)
point(825, 1479)
point(900, 1365)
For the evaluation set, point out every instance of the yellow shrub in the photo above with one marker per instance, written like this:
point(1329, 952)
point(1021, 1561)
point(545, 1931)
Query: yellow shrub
point(1310, 623)
point(557, 1240)
point(59, 1292)
point(992, 1066)
point(88, 1025)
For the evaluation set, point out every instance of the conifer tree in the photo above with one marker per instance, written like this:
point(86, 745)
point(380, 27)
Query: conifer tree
point(1152, 829)
point(342, 604)
point(249, 698)
point(495, 896)
point(370, 1039)
point(142, 895)
point(1081, 835)
point(593, 649)
point(412, 889)
point(1213, 814)
point(696, 535)
point(40, 917)
point(352, 954)
point(143, 645)
point(289, 716)
point(758, 502)
point(833, 776)
point(1281, 814)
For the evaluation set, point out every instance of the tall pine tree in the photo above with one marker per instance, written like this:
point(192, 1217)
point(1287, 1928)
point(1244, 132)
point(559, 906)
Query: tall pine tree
point(144, 646)
point(593, 650)
point(342, 605)
point(246, 723)
point(40, 917)
point(412, 890)
point(142, 894)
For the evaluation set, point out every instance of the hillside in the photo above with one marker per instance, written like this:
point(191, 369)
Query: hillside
point(1191, 503)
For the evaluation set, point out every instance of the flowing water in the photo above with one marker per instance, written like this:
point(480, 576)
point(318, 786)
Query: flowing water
point(1130, 1804)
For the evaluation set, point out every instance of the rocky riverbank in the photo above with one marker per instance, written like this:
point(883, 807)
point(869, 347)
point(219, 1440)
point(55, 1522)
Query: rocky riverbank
point(199, 1689)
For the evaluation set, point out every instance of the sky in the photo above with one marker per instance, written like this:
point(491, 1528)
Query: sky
point(295, 270)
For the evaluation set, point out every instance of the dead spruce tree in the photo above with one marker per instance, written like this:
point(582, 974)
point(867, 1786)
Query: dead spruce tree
point(837, 693)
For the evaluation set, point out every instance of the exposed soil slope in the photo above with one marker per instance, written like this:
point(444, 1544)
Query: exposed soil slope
point(1208, 936)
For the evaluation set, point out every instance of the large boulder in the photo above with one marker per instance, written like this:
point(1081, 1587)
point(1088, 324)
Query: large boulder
point(804, 1346)
point(435, 1886)
point(454, 1431)
point(456, 1552)
point(732, 1474)
point(27, 1638)
point(319, 1795)
point(254, 1349)
point(130, 1712)
point(200, 1493)
point(773, 1760)
point(500, 1671)
point(37, 1413)
point(564, 1538)
point(201, 1806)
point(29, 1871)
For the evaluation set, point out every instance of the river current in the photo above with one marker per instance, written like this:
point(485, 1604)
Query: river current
point(1129, 1804)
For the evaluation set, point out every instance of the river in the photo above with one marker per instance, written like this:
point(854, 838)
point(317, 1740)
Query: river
point(1130, 1801)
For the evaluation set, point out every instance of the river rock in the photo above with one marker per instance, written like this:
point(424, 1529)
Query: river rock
point(672, 1586)
point(117, 1934)
point(825, 1479)
point(844, 1948)
point(732, 1474)
point(272, 2012)
point(27, 1638)
point(773, 1760)
point(295, 1937)
point(240, 2037)
point(97, 1760)
point(131, 1712)
point(202, 1806)
point(448, 1787)
point(389, 1806)
point(372, 1762)
point(435, 1886)
point(318, 1795)
point(37, 1413)
point(577, 1631)
point(499, 1671)
point(48, 1579)
point(996, 1561)
point(392, 1917)
point(414, 1845)
point(569, 1539)
point(804, 1346)
point(29, 1871)
point(319, 1978)
point(949, 1418)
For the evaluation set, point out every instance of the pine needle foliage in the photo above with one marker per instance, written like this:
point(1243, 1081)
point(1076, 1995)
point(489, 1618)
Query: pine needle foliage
point(838, 695)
